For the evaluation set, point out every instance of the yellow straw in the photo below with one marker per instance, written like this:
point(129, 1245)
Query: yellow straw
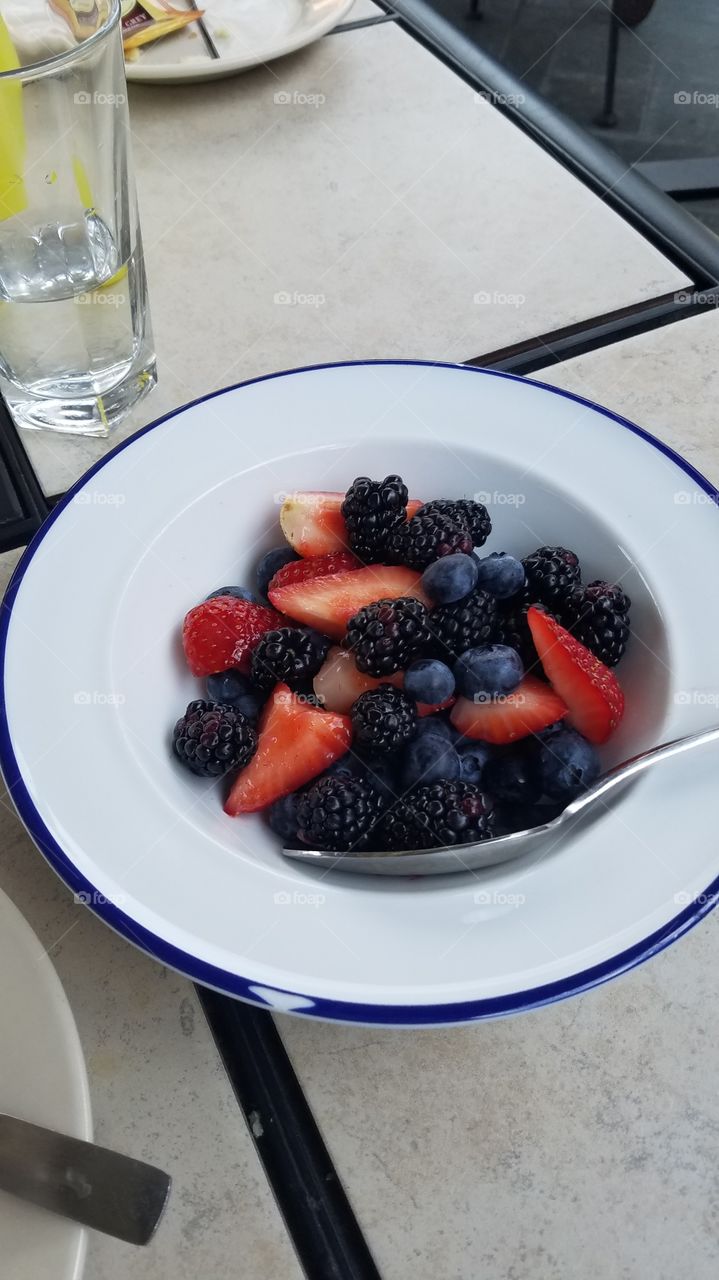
point(13, 196)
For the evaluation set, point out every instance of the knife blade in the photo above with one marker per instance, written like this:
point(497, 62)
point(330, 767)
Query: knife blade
point(91, 1185)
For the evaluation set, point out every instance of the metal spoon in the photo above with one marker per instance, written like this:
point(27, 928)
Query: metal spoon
point(489, 853)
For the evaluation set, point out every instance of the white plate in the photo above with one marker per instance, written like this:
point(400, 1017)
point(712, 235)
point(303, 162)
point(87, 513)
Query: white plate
point(42, 1079)
point(94, 678)
point(245, 32)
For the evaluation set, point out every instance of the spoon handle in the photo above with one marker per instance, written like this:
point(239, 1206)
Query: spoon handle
point(638, 764)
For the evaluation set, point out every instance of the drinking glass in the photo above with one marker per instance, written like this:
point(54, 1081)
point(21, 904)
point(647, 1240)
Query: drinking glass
point(76, 349)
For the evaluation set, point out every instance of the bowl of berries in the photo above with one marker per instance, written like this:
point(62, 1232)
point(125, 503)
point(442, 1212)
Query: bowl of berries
point(370, 608)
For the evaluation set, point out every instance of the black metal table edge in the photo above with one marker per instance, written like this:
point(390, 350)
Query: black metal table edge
point(681, 238)
point(309, 1194)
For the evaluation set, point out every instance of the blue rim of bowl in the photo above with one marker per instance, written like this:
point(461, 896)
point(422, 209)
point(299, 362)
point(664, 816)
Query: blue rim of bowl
point(247, 988)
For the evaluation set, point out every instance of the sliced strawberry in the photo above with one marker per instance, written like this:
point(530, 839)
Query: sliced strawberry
point(222, 633)
point(431, 708)
point(296, 743)
point(313, 524)
point(532, 707)
point(590, 689)
point(315, 567)
point(339, 684)
point(328, 603)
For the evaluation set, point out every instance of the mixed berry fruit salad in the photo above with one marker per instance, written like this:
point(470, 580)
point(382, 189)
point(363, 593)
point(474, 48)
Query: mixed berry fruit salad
point(388, 682)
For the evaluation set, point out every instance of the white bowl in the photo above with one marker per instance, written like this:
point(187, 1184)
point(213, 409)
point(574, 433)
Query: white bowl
point(94, 678)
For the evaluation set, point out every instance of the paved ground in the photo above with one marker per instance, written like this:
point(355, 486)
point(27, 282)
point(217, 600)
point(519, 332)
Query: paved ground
point(559, 47)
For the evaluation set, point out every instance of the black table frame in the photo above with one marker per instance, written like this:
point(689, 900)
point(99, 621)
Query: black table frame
point(316, 1211)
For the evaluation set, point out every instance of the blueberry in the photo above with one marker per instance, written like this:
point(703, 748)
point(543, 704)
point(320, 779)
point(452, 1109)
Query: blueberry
point(514, 777)
point(240, 593)
point(568, 764)
point(429, 680)
point(429, 759)
point(500, 574)
point(473, 758)
point(488, 671)
point(269, 565)
point(450, 578)
point(235, 690)
point(435, 727)
point(282, 816)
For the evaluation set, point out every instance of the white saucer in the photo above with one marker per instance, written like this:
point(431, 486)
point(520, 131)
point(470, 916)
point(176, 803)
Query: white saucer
point(245, 34)
point(42, 1079)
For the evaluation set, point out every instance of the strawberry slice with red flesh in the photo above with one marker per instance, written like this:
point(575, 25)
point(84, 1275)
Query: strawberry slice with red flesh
point(532, 706)
point(296, 743)
point(431, 708)
point(313, 523)
point(222, 633)
point(329, 602)
point(590, 689)
point(315, 567)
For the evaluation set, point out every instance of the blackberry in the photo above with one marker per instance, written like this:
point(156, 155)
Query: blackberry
point(287, 655)
point(337, 812)
point(387, 635)
point(598, 615)
point(471, 516)
point(372, 509)
point(212, 738)
point(442, 813)
point(383, 719)
point(460, 626)
point(552, 573)
point(425, 538)
point(512, 628)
